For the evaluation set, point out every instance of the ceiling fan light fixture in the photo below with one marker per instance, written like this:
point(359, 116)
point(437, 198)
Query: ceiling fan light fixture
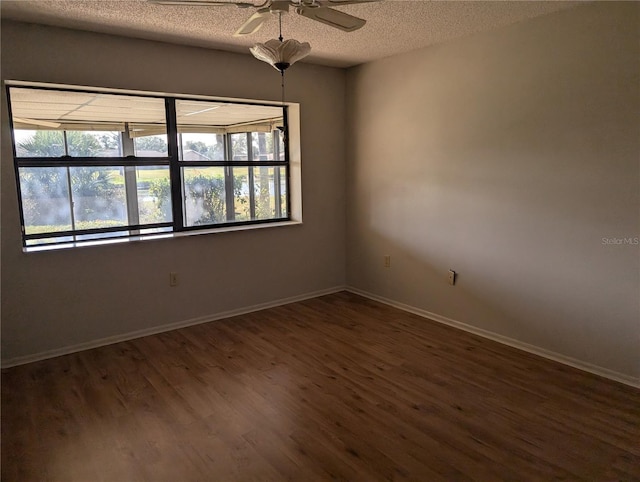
point(281, 54)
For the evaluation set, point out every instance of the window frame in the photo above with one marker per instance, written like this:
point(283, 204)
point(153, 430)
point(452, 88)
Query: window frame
point(172, 161)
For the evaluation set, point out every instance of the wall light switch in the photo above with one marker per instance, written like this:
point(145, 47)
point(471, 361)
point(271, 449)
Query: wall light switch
point(173, 279)
point(387, 261)
point(452, 277)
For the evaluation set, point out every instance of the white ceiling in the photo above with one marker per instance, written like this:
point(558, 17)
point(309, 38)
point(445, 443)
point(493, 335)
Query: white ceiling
point(393, 26)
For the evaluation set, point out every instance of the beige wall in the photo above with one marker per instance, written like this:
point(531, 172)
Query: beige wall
point(51, 300)
point(507, 156)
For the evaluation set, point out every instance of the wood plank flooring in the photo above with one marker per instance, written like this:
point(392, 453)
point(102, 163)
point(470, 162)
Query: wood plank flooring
point(333, 388)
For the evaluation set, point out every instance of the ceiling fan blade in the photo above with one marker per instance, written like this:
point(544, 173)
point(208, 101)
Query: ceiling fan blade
point(254, 23)
point(203, 3)
point(332, 17)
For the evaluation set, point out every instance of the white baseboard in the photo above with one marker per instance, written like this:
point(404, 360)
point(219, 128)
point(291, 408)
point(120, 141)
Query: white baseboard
point(110, 340)
point(575, 363)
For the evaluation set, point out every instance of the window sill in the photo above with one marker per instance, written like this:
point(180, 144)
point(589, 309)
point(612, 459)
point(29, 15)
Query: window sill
point(151, 237)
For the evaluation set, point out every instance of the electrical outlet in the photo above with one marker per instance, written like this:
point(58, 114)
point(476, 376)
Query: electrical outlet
point(173, 279)
point(452, 277)
point(387, 261)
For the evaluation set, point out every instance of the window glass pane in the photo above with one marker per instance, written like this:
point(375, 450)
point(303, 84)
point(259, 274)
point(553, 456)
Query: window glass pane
point(43, 143)
point(41, 241)
point(94, 144)
point(241, 196)
point(239, 147)
point(205, 195)
point(97, 124)
point(268, 192)
point(96, 236)
point(46, 205)
point(201, 147)
point(151, 146)
point(280, 146)
point(262, 145)
point(99, 199)
point(281, 173)
point(30, 143)
point(154, 194)
point(124, 233)
point(149, 231)
point(219, 118)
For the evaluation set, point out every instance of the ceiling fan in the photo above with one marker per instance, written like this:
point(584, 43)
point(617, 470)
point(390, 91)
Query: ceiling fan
point(318, 10)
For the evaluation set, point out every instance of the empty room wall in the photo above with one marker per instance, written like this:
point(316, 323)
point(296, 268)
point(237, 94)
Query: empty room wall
point(56, 299)
point(511, 157)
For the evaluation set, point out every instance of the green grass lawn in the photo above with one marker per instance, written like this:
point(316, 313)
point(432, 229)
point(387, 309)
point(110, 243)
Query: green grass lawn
point(79, 225)
point(151, 174)
point(143, 175)
point(147, 175)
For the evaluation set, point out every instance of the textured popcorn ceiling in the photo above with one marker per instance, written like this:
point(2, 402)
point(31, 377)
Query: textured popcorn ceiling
point(392, 26)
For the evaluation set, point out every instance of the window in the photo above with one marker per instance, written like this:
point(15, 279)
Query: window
point(93, 165)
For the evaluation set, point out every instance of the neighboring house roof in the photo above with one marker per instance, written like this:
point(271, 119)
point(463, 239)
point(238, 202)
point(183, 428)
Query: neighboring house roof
point(191, 155)
point(143, 153)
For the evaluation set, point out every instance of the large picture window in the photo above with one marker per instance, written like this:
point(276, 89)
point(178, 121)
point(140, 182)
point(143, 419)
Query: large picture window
point(95, 165)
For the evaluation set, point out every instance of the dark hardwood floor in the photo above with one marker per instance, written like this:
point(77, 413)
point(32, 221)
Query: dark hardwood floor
point(333, 388)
